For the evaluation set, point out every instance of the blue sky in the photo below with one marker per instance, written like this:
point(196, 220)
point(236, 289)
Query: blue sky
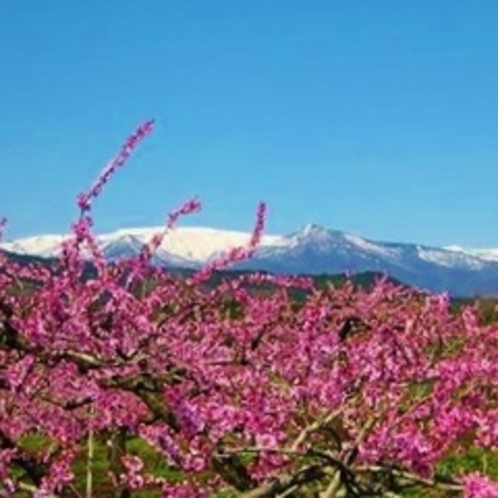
point(375, 117)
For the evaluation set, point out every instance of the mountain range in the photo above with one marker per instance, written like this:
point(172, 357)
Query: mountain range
point(312, 250)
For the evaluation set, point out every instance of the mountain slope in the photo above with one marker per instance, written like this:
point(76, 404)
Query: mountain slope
point(315, 250)
point(489, 254)
point(312, 250)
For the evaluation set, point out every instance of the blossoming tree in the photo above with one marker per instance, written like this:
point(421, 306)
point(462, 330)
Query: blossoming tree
point(236, 389)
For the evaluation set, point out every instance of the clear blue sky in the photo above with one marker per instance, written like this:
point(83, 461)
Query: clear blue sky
point(372, 116)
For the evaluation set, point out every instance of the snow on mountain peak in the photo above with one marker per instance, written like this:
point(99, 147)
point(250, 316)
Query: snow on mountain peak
point(490, 254)
point(452, 258)
point(312, 229)
point(326, 238)
point(370, 246)
point(40, 245)
point(193, 244)
point(313, 232)
point(312, 248)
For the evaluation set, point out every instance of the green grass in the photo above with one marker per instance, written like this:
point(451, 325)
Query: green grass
point(154, 462)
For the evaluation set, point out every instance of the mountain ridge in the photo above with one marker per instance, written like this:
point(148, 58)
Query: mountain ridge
point(313, 249)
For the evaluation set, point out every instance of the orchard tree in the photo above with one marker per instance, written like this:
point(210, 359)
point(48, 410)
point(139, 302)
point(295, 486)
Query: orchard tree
point(126, 379)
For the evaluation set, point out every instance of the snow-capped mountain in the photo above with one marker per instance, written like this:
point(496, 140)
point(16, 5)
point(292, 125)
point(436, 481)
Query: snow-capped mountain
point(316, 250)
point(312, 250)
point(46, 246)
point(183, 246)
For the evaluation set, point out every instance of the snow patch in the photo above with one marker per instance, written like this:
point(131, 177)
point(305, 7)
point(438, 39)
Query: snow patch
point(450, 259)
point(368, 246)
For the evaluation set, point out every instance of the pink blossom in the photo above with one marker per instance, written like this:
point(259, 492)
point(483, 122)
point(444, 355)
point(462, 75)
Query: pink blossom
point(478, 486)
